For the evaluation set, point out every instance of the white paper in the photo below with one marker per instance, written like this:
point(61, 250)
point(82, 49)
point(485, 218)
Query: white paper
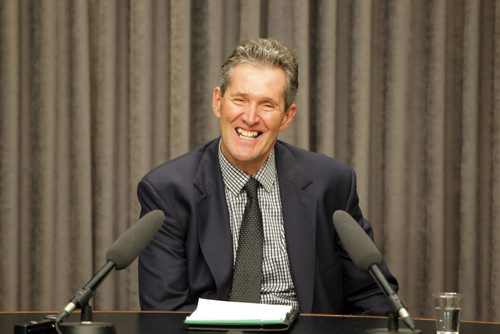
point(211, 310)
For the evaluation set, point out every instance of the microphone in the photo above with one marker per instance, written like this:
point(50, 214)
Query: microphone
point(367, 257)
point(119, 256)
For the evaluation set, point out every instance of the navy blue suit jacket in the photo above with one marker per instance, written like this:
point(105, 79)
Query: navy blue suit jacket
point(192, 256)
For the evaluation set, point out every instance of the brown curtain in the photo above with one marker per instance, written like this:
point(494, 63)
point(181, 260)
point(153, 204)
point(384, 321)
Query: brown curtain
point(95, 93)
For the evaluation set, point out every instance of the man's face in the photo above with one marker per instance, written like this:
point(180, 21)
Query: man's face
point(251, 114)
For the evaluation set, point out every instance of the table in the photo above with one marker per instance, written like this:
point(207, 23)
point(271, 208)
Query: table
point(137, 322)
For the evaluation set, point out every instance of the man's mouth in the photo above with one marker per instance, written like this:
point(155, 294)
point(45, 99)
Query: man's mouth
point(249, 135)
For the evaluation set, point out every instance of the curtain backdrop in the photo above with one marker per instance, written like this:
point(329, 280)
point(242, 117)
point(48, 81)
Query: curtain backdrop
point(94, 93)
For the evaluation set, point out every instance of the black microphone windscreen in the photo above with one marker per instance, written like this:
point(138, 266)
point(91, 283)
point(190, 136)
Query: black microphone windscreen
point(357, 243)
point(128, 246)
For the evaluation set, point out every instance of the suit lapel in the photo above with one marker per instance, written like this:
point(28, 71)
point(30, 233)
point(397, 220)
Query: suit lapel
point(214, 231)
point(299, 216)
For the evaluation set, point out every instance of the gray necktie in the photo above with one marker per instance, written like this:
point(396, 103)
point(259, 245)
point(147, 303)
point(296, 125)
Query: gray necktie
point(247, 276)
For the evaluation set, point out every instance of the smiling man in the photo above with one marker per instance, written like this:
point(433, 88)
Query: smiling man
point(248, 217)
point(251, 111)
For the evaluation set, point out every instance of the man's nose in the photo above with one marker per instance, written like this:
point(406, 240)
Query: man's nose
point(251, 114)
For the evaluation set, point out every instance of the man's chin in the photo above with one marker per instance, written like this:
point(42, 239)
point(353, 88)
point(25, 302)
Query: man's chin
point(247, 162)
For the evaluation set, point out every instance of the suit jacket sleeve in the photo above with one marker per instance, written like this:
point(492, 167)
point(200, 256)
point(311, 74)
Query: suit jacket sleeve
point(162, 264)
point(362, 294)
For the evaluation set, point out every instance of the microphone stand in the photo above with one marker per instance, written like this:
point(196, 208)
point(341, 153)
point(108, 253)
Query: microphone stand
point(81, 300)
point(86, 313)
point(393, 326)
point(396, 305)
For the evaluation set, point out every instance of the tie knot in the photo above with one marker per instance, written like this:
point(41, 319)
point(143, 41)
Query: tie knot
point(251, 188)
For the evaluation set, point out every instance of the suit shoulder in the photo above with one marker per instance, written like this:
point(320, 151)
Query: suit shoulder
point(179, 169)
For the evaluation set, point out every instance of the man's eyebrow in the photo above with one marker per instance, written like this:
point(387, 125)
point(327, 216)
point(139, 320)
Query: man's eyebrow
point(238, 93)
point(264, 99)
point(270, 100)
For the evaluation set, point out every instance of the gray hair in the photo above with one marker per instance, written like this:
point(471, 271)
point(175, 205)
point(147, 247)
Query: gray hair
point(267, 52)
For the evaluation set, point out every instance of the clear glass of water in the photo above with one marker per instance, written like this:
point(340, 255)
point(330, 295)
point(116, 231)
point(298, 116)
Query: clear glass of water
point(447, 307)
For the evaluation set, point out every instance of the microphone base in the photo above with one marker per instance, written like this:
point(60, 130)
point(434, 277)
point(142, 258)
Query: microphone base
point(385, 330)
point(87, 327)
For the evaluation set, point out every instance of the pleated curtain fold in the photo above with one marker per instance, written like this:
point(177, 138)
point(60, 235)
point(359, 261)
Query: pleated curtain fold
point(94, 93)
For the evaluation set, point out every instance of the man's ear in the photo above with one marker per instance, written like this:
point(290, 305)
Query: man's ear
point(216, 100)
point(289, 115)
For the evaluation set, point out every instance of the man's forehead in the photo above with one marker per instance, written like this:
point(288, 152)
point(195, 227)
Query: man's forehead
point(248, 74)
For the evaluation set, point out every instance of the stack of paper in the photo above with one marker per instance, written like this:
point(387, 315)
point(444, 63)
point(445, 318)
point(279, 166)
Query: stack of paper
point(216, 314)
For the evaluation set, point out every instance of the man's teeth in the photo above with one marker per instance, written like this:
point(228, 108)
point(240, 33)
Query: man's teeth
point(248, 134)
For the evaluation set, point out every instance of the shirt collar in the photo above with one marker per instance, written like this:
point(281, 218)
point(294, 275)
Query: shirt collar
point(235, 179)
